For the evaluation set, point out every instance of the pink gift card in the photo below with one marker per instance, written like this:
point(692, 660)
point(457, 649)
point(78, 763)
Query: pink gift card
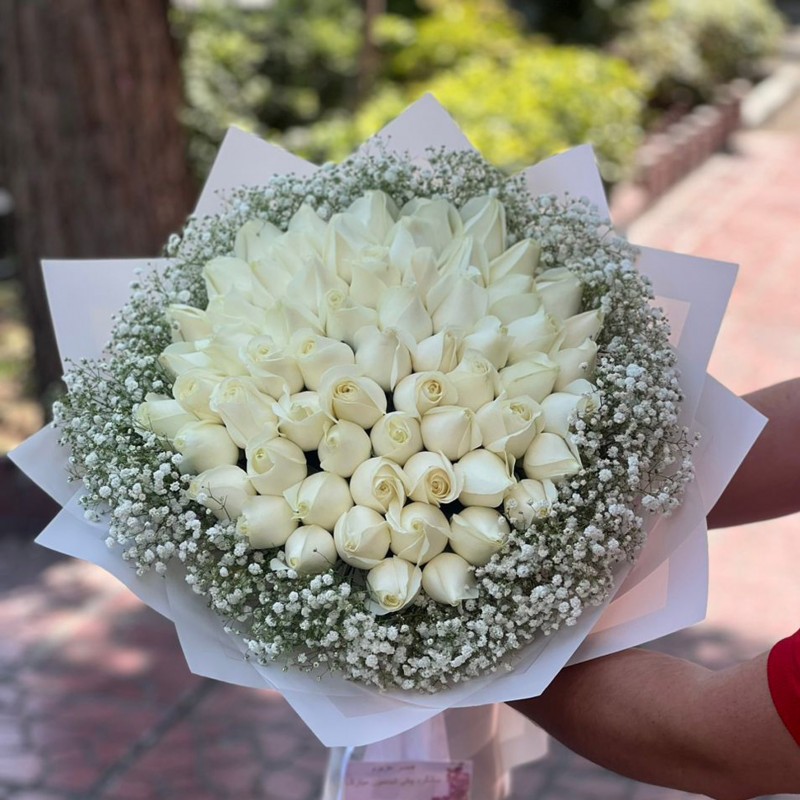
point(408, 780)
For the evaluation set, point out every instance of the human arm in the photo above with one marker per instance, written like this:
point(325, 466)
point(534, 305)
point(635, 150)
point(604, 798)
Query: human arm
point(766, 483)
point(670, 722)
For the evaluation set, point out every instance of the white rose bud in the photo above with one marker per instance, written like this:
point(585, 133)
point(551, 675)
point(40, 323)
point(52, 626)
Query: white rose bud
point(310, 550)
point(561, 292)
point(538, 333)
point(254, 240)
point(342, 317)
point(320, 499)
point(302, 419)
point(581, 327)
point(587, 390)
point(484, 479)
point(161, 415)
point(274, 464)
point(421, 391)
point(476, 534)
point(449, 579)
point(288, 318)
point(575, 363)
point(393, 584)
point(180, 357)
point(560, 409)
point(188, 323)
point(204, 445)
point(457, 301)
point(345, 394)
point(396, 436)
point(550, 458)
point(432, 479)
point(465, 256)
point(223, 349)
point(308, 228)
point(317, 354)
point(534, 377)
point(362, 537)
point(441, 352)
point(491, 339)
point(419, 532)
point(377, 211)
point(343, 447)
point(401, 307)
point(193, 390)
point(513, 298)
point(529, 500)
point(234, 309)
point(223, 489)
point(266, 520)
point(345, 238)
point(509, 425)
point(384, 356)
point(521, 259)
point(475, 379)
point(245, 410)
point(274, 371)
point(485, 218)
point(451, 430)
point(379, 484)
point(227, 274)
point(432, 223)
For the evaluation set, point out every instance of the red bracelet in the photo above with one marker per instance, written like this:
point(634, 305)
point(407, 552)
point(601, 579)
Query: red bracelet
point(783, 675)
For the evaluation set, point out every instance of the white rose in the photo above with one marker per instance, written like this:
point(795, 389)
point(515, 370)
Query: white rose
point(485, 218)
point(193, 390)
point(367, 287)
point(180, 357)
point(343, 447)
point(392, 584)
point(396, 436)
point(432, 479)
point(475, 379)
point(401, 307)
point(223, 349)
point(245, 411)
point(419, 392)
point(161, 415)
point(227, 274)
point(465, 256)
point(345, 238)
point(362, 537)
point(419, 532)
point(509, 425)
point(188, 323)
point(204, 445)
point(448, 579)
point(528, 500)
point(441, 352)
point(521, 259)
point(384, 356)
point(451, 430)
point(538, 333)
point(310, 550)
point(421, 271)
point(581, 327)
point(345, 394)
point(513, 298)
point(320, 499)
point(484, 479)
point(432, 223)
point(310, 285)
point(377, 211)
point(560, 408)
point(254, 240)
point(575, 363)
point(308, 228)
point(302, 419)
point(266, 520)
point(274, 371)
point(235, 309)
point(274, 464)
point(476, 534)
point(379, 484)
point(287, 318)
point(491, 339)
point(317, 354)
point(550, 458)
point(457, 301)
point(561, 292)
point(223, 489)
point(588, 390)
point(342, 317)
point(534, 377)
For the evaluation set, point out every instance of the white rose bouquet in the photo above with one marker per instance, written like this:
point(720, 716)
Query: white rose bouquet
point(399, 422)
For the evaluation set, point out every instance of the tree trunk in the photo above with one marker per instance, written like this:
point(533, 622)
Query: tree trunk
point(94, 153)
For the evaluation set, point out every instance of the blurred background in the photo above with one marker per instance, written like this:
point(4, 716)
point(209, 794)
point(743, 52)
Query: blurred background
point(110, 114)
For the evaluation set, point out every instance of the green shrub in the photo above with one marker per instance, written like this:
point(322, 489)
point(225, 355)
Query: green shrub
point(685, 48)
point(516, 111)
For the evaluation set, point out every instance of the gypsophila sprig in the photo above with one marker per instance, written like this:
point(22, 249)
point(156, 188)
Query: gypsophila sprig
point(393, 420)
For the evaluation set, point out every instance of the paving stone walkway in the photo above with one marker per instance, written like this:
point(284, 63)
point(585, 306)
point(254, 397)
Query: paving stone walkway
point(96, 702)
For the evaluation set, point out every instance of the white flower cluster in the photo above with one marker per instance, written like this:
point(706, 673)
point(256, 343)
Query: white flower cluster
point(141, 432)
point(381, 376)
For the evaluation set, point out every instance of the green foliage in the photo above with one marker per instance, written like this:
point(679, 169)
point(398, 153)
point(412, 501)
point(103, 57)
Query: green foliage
point(516, 110)
point(685, 48)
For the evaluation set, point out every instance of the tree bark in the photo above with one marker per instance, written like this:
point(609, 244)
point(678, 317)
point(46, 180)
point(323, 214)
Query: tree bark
point(94, 152)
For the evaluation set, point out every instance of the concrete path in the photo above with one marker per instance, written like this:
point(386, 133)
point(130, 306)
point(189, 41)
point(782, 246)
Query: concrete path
point(96, 701)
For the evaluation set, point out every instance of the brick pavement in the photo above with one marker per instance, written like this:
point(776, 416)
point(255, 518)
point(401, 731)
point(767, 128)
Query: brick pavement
point(97, 704)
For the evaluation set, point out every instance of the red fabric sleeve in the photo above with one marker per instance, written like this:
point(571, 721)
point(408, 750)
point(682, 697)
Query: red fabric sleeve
point(783, 674)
